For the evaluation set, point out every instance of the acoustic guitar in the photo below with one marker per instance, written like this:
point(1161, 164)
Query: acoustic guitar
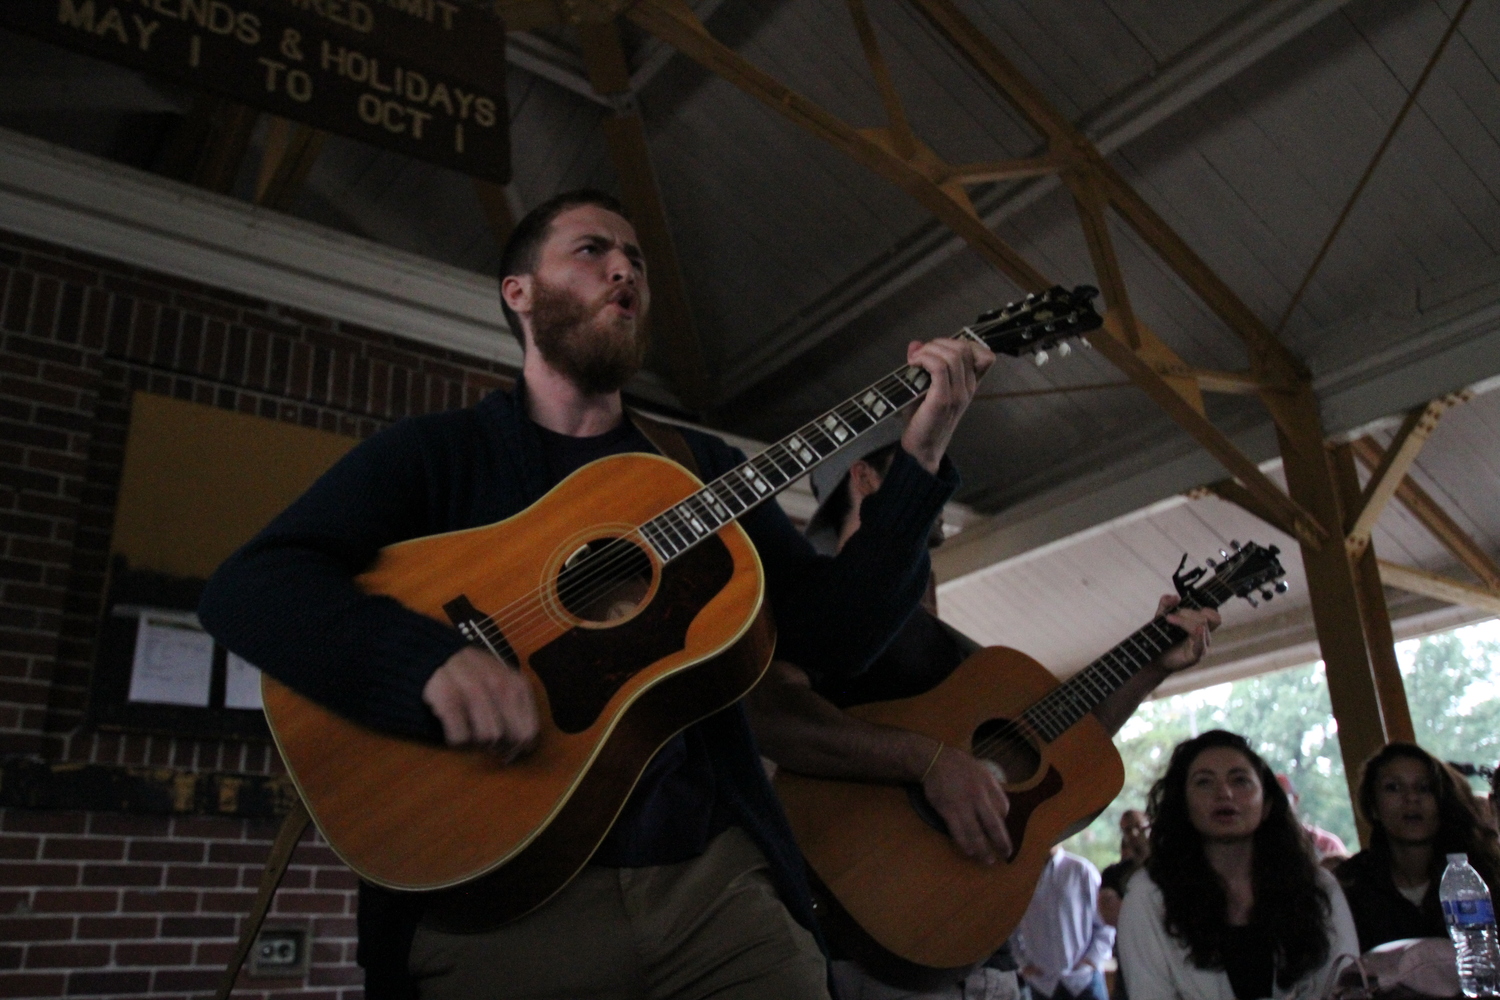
point(545, 591)
point(896, 893)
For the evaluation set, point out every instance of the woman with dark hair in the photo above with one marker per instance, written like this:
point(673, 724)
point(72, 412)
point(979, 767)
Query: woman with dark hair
point(1231, 904)
point(1419, 812)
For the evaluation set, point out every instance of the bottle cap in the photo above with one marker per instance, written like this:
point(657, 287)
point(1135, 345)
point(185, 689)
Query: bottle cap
point(1458, 859)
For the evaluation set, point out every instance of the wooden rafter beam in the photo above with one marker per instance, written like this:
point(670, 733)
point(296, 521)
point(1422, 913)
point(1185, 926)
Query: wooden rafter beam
point(1391, 469)
point(1266, 353)
point(495, 201)
point(208, 145)
point(1436, 520)
point(902, 136)
point(1091, 213)
point(291, 150)
point(673, 22)
point(991, 171)
point(1233, 492)
point(1420, 581)
point(671, 317)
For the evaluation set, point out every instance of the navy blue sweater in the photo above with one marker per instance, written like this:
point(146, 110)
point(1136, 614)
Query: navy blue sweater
point(287, 601)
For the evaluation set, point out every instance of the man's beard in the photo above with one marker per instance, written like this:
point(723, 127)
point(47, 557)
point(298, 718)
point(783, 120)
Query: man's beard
point(598, 353)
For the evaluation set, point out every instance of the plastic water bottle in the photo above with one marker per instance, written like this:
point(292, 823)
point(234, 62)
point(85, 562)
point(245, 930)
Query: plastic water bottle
point(1471, 925)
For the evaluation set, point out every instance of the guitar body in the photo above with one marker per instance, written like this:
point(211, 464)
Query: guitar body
point(893, 871)
point(414, 816)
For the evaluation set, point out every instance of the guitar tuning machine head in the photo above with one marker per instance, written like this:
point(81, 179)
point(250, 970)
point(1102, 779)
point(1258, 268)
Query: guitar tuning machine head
point(1282, 587)
point(1063, 350)
point(1267, 594)
point(1083, 342)
point(1223, 554)
point(1040, 357)
point(1253, 602)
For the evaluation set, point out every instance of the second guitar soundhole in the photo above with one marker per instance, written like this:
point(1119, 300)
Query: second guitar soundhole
point(1006, 743)
point(604, 580)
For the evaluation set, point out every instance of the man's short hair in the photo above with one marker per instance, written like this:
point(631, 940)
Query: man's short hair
point(525, 242)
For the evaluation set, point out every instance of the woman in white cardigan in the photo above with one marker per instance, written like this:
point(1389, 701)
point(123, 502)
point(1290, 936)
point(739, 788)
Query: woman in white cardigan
point(1231, 904)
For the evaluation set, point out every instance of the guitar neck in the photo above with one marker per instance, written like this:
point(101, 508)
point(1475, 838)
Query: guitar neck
point(753, 482)
point(1080, 694)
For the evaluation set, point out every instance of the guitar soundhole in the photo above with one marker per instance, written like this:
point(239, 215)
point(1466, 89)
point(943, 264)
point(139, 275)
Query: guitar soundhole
point(605, 580)
point(1006, 744)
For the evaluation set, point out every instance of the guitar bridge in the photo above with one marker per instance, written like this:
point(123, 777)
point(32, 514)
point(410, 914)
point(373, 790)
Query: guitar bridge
point(479, 629)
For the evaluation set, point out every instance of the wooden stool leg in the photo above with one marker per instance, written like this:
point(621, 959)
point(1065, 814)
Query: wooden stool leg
point(291, 831)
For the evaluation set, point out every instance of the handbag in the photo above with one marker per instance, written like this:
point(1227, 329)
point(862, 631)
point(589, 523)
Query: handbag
point(1410, 969)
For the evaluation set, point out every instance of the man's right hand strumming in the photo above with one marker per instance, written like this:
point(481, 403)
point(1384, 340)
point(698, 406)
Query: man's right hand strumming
point(972, 802)
point(483, 702)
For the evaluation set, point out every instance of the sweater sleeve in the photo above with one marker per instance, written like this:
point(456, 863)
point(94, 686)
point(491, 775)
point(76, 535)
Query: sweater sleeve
point(287, 601)
point(834, 615)
point(1143, 945)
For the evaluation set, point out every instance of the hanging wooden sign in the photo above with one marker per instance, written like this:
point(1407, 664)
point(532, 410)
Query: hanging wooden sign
point(425, 78)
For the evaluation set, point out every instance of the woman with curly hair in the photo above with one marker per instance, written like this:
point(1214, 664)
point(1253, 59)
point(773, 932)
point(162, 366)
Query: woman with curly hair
point(1231, 903)
point(1419, 812)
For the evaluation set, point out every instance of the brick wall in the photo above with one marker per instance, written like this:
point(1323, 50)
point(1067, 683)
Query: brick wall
point(100, 903)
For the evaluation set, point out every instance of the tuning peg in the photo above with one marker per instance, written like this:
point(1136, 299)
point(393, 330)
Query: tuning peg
point(1084, 343)
point(1282, 586)
point(1253, 602)
point(1040, 357)
point(1267, 594)
point(1063, 350)
point(1210, 562)
point(1223, 554)
point(1235, 546)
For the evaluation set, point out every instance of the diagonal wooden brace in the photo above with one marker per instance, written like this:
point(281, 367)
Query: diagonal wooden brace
point(285, 844)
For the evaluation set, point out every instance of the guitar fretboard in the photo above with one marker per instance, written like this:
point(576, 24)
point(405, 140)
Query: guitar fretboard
point(1064, 705)
point(757, 480)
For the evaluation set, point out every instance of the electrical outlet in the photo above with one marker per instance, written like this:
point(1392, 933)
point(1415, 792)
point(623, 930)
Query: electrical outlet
point(279, 952)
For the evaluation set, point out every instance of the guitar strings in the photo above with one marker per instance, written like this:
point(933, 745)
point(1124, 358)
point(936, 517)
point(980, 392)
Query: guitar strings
point(1065, 704)
point(527, 616)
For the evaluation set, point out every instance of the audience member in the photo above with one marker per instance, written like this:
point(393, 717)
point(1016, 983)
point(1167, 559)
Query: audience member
point(1231, 903)
point(1135, 846)
point(1419, 811)
point(1330, 848)
point(1061, 943)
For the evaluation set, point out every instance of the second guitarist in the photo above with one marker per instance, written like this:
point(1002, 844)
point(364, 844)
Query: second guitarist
point(798, 718)
point(698, 890)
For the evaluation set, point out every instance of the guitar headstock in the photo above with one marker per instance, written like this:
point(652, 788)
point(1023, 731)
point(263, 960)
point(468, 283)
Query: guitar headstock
point(1245, 571)
point(1040, 323)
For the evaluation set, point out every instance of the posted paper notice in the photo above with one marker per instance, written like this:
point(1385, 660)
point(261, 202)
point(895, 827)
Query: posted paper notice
point(241, 684)
point(174, 660)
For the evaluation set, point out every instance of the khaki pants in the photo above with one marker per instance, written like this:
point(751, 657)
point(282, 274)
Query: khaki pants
point(710, 927)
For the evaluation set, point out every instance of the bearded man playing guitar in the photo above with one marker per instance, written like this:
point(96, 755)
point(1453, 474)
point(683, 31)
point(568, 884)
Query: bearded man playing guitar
point(697, 890)
point(798, 718)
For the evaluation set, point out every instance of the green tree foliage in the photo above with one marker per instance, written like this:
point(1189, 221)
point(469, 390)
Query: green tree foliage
point(1450, 684)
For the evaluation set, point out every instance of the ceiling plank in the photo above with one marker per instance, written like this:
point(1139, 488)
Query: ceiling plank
point(1420, 581)
point(673, 21)
point(1434, 518)
point(1266, 353)
point(1227, 48)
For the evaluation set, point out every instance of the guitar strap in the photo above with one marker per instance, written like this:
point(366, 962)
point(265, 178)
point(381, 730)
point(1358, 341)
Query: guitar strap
point(667, 439)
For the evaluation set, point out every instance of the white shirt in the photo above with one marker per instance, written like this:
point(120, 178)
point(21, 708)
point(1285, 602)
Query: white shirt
point(1062, 927)
point(1156, 965)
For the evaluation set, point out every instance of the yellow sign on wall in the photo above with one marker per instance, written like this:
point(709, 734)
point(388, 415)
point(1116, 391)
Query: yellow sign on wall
point(199, 481)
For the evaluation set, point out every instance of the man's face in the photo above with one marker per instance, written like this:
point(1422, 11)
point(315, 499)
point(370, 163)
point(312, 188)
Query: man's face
point(586, 300)
point(1135, 835)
